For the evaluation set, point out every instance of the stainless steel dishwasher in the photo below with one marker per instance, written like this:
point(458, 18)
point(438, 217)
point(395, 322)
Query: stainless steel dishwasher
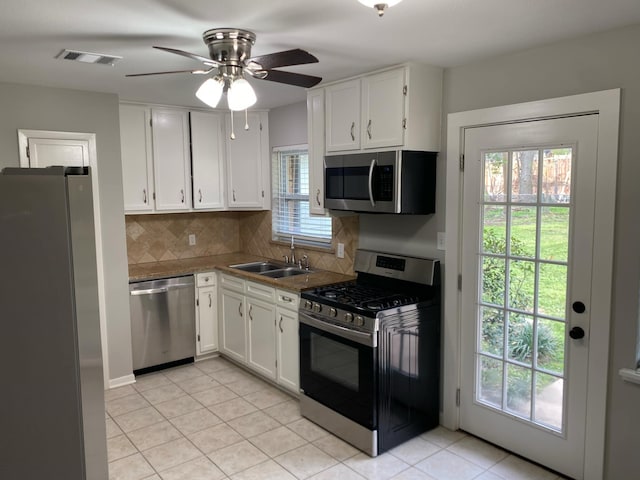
point(162, 322)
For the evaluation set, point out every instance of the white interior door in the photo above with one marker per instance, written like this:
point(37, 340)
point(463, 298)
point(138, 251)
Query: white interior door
point(529, 201)
point(45, 152)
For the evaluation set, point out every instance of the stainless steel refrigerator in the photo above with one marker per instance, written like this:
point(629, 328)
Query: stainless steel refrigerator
point(52, 416)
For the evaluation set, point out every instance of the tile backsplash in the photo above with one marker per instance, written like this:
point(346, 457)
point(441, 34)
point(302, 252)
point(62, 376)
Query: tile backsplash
point(152, 238)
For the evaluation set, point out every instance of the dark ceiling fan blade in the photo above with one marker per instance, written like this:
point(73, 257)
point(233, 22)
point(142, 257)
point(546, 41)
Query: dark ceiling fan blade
point(283, 59)
point(290, 78)
point(197, 72)
point(205, 60)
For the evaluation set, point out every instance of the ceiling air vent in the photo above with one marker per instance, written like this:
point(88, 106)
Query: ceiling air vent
point(88, 57)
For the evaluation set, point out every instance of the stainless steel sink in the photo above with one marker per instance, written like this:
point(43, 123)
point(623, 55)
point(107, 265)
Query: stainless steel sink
point(284, 272)
point(258, 267)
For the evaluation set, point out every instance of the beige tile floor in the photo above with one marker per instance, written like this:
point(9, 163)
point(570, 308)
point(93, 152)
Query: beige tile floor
point(213, 421)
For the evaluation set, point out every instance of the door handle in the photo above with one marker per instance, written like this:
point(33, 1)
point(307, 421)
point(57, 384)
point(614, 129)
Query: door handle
point(182, 196)
point(210, 301)
point(280, 325)
point(317, 197)
point(578, 307)
point(371, 167)
point(144, 195)
point(199, 195)
point(576, 333)
point(369, 129)
point(240, 308)
point(234, 195)
point(250, 316)
point(353, 136)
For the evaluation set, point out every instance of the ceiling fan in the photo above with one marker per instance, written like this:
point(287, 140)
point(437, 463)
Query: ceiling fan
point(230, 52)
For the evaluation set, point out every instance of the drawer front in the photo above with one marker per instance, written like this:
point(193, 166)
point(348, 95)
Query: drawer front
point(287, 299)
point(205, 279)
point(232, 283)
point(258, 290)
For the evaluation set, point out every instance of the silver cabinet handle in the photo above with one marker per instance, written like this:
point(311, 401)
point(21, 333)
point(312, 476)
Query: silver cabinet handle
point(353, 135)
point(200, 195)
point(149, 291)
point(371, 167)
point(210, 303)
point(318, 197)
point(286, 299)
point(240, 308)
point(280, 325)
point(234, 195)
point(182, 196)
point(369, 129)
point(144, 195)
point(250, 316)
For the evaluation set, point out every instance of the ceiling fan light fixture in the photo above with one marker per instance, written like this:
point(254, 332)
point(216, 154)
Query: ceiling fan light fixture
point(241, 95)
point(380, 5)
point(210, 91)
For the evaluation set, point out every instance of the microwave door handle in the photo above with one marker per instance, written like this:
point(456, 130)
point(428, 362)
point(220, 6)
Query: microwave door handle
point(371, 167)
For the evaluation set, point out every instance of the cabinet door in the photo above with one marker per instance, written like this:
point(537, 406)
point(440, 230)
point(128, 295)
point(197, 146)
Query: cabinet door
point(171, 159)
point(136, 152)
point(244, 162)
point(207, 160)
point(232, 325)
point(315, 135)
point(207, 334)
point(343, 116)
point(287, 348)
point(262, 337)
point(383, 109)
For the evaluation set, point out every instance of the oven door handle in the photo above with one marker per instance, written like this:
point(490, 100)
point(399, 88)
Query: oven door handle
point(371, 167)
point(368, 339)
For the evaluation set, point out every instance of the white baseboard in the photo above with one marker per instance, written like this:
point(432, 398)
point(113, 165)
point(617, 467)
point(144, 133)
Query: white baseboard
point(122, 381)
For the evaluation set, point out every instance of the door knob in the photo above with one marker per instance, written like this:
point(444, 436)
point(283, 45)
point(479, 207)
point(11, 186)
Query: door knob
point(576, 333)
point(578, 307)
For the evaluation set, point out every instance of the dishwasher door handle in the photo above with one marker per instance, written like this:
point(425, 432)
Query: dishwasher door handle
point(149, 291)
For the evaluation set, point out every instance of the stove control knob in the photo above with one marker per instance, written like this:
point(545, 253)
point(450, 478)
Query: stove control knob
point(359, 321)
point(308, 304)
point(333, 312)
point(317, 307)
point(348, 317)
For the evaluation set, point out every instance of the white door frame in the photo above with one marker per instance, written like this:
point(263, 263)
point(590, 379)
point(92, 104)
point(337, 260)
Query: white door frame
point(23, 142)
point(607, 105)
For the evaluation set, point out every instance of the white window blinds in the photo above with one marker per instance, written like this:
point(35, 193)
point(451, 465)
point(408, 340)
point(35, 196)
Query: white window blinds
point(290, 202)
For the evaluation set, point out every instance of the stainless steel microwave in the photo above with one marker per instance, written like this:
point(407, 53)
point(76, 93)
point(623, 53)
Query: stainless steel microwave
point(400, 181)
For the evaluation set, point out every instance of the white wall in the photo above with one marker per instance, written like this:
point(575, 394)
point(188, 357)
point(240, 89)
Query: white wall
point(592, 63)
point(288, 125)
point(40, 108)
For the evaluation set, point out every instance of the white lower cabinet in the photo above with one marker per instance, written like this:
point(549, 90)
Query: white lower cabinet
point(206, 313)
point(259, 328)
point(287, 341)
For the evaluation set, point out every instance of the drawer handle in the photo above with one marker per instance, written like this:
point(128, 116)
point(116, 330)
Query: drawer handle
point(250, 316)
point(286, 299)
point(209, 300)
point(240, 308)
point(280, 325)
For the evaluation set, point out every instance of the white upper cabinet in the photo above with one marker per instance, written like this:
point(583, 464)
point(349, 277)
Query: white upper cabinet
point(207, 157)
point(248, 173)
point(170, 131)
point(383, 109)
point(137, 163)
point(399, 107)
point(315, 135)
point(343, 116)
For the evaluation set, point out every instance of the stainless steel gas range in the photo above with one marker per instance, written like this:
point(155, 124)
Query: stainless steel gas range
point(370, 352)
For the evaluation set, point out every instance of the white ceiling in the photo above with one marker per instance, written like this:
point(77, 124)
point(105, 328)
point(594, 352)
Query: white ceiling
point(347, 37)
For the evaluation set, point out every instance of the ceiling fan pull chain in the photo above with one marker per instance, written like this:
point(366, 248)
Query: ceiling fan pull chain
point(233, 135)
point(246, 119)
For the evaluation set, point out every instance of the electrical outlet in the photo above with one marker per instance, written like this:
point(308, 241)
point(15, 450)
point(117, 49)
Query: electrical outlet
point(192, 239)
point(442, 241)
point(340, 251)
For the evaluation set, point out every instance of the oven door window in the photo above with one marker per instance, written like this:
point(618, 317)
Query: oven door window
point(339, 373)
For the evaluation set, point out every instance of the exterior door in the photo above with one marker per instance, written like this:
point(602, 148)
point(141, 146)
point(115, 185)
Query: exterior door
point(527, 247)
